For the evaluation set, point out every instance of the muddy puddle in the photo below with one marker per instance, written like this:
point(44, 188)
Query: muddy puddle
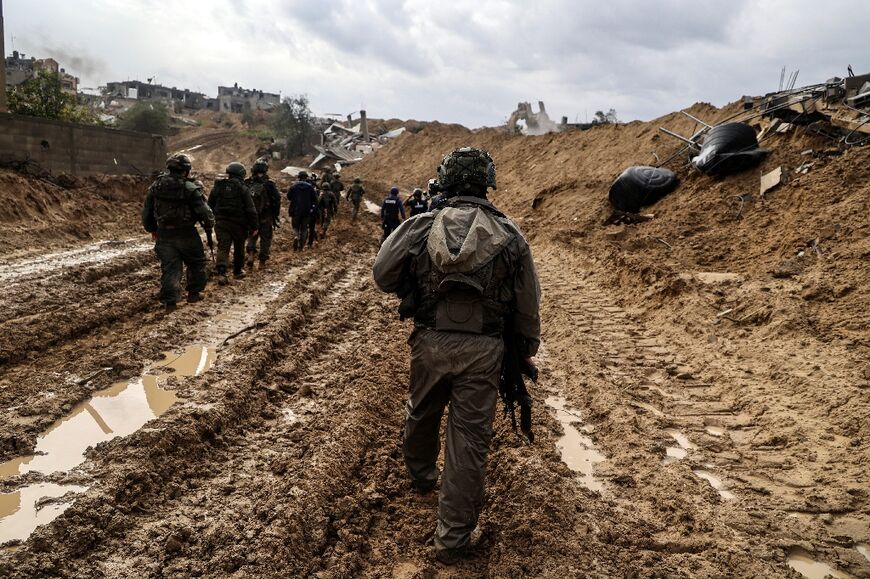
point(119, 410)
point(372, 207)
point(715, 430)
point(578, 451)
point(716, 483)
point(23, 510)
point(681, 451)
point(802, 562)
point(864, 549)
point(55, 262)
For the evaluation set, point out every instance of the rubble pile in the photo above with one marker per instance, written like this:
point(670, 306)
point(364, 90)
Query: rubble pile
point(345, 145)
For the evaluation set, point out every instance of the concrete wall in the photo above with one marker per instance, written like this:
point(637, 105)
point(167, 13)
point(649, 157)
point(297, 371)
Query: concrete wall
point(79, 150)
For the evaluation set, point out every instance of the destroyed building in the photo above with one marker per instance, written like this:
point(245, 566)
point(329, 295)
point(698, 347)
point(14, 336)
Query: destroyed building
point(534, 123)
point(20, 69)
point(174, 98)
point(238, 100)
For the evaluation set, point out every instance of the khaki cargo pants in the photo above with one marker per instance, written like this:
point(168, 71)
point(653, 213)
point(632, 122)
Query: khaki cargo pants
point(460, 371)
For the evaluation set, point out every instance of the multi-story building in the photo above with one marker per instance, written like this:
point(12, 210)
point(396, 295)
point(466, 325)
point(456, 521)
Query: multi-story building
point(235, 99)
point(20, 69)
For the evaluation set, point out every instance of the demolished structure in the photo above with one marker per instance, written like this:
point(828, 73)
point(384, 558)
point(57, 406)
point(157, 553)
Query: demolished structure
point(345, 144)
point(534, 123)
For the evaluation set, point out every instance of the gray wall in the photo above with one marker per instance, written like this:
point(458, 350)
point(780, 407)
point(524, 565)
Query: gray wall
point(79, 150)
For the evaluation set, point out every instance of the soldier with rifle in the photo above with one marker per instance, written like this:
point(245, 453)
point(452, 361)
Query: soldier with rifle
point(466, 276)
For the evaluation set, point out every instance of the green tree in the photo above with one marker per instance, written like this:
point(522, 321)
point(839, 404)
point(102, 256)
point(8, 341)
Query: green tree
point(43, 96)
point(293, 121)
point(146, 118)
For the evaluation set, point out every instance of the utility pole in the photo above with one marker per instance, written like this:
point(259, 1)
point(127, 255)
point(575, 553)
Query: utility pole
point(3, 105)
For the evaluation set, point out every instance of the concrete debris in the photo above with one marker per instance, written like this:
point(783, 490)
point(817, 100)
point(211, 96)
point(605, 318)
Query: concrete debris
point(771, 180)
point(346, 144)
point(534, 123)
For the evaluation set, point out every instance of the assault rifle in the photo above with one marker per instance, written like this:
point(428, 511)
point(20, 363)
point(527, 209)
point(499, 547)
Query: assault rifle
point(512, 386)
point(210, 242)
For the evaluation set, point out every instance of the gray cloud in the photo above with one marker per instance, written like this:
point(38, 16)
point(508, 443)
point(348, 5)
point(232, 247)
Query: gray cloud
point(456, 61)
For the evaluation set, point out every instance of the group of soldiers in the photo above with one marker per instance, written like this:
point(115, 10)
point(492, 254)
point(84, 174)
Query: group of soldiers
point(242, 211)
point(464, 274)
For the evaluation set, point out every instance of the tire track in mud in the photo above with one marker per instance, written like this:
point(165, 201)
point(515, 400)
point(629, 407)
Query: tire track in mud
point(231, 396)
point(670, 437)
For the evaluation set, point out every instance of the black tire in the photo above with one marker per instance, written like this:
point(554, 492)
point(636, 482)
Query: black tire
point(728, 148)
point(639, 186)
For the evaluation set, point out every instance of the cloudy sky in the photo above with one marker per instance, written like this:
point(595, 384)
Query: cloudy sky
point(468, 62)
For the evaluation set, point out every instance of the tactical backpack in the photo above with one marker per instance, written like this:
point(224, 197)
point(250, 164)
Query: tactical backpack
point(172, 202)
point(259, 195)
point(455, 297)
point(356, 192)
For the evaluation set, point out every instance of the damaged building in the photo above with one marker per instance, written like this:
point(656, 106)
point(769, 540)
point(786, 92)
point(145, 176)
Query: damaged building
point(174, 98)
point(236, 99)
point(20, 69)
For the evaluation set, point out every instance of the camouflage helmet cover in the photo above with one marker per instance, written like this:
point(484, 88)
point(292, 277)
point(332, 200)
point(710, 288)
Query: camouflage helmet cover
point(178, 163)
point(261, 165)
point(466, 167)
point(236, 169)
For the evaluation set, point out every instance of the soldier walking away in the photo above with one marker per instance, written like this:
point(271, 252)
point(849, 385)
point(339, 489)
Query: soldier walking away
point(303, 202)
point(355, 194)
point(337, 187)
point(466, 276)
point(416, 204)
point(392, 212)
point(315, 215)
point(173, 206)
point(235, 219)
point(327, 207)
point(267, 201)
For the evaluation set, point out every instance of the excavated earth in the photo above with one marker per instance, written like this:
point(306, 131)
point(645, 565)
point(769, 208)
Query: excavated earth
point(702, 409)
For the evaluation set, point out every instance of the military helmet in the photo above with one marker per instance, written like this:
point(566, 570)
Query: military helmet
point(178, 163)
point(261, 165)
point(394, 190)
point(302, 176)
point(357, 180)
point(466, 167)
point(418, 192)
point(236, 169)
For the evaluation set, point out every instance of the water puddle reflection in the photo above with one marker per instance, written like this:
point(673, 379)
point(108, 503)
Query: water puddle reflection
point(864, 549)
point(675, 453)
point(716, 483)
point(715, 430)
point(23, 510)
point(578, 450)
point(802, 562)
point(119, 410)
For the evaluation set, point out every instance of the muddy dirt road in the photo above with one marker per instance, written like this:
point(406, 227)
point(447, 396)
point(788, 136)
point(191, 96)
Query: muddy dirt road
point(257, 433)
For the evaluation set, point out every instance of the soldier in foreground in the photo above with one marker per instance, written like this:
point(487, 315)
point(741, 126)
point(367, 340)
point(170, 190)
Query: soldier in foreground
point(465, 274)
point(355, 194)
point(392, 212)
point(174, 205)
point(267, 201)
point(303, 204)
point(235, 219)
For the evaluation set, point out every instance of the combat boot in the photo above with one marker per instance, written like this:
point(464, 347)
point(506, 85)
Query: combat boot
point(170, 307)
point(193, 297)
point(222, 278)
point(263, 264)
point(239, 274)
point(250, 261)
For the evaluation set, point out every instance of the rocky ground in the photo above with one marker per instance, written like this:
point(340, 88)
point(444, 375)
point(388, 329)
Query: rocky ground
point(702, 409)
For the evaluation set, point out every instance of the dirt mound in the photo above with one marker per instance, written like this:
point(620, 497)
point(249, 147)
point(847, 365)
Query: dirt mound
point(36, 214)
point(812, 230)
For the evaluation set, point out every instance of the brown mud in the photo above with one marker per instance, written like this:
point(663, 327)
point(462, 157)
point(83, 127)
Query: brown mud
point(282, 457)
